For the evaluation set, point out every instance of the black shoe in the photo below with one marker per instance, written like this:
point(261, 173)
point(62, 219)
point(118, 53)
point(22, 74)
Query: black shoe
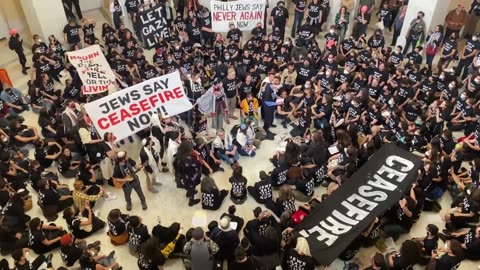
point(129, 207)
point(49, 258)
point(27, 68)
point(443, 237)
point(193, 202)
point(274, 126)
point(144, 206)
point(24, 72)
point(284, 125)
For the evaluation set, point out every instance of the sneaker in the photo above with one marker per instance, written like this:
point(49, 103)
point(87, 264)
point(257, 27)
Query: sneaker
point(157, 184)
point(153, 190)
point(193, 202)
point(144, 206)
point(274, 126)
point(234, 117)
point(165, 169)
point(24, 72)
point(110, 197)
point(164, 164)
point(129, 207)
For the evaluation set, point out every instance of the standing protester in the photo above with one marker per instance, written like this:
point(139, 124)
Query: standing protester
point(455, 20)
point(370, 4)
point(150, 159)
point(117, 13)
point(474, 17)
point(342, 20)
point(15, 43)
point(279, 18)
point(467, 56)
point(188, 164)
point(398, 22)
point(434, 41)
point(415, 33)
point(229, 85)
point(124, 173)
point(300, 6)
point(71, 34)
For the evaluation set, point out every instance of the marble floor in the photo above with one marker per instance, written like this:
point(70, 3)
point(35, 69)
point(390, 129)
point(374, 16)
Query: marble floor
point(169, 204)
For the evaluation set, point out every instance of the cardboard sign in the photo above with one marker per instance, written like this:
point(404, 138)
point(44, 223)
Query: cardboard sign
point(128, 111)
point(244, 14)
point(372, 190)
point(152, 24)
point(93, 69)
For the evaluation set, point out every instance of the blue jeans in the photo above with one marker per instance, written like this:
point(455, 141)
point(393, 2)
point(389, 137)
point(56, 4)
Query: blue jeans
point(430, 60)
point(244, 153)
point(229, 160)
point(297, 22)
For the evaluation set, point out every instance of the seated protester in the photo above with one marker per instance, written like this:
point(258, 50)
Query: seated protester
point(226, 239)
point(198, 245)
point(249, 109)
point(81, 221)
point(14, 210)
point(267, 248)
point(303, 185)
point(210, 162)
point(166, 235)
point(429, 243)
point(235, 220)
point(377, 262)
point(72, 249)
point(47, 152)
point(224, 148)
point(150, 255)
point(14, 99)
point(117, 227)
point(88, 261)
point(284, 202)
point(466, 211)
point(22, 135)
point(21, 262)
point(242, 261)
point(43, 238)
point(47, 121)
point(300, 255)
point(68, 167)
point(53, 198)
point(83, 194)
point(243, 142)
point(261, 191)
point(238, 193)
point(200, 127)
point(279, 176)
point(304, 121)
point(451, 259)
point(400, 219)
point(212, 197)
point(137, 233)
point(410, 254)
point(37, 173)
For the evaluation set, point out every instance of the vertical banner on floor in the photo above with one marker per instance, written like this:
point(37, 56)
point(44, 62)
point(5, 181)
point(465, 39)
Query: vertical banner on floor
point(372, 190)
point(128, 111)
point(244, 14)
point(93, 69)
point(152, 24)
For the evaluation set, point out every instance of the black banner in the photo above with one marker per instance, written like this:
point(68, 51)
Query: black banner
point(152, 23)
point(372, 190)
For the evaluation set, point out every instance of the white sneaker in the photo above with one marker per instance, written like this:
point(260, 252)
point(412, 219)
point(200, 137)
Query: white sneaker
point(110, 197)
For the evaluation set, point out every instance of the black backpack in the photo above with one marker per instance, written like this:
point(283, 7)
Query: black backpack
point(234, 131)
point(11, 44)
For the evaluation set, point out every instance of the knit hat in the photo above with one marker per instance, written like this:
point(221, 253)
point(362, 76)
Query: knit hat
point(66, 239)
point(198, 233)
point(121, 154)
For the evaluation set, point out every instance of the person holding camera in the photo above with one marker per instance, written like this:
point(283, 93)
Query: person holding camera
point(200, 250)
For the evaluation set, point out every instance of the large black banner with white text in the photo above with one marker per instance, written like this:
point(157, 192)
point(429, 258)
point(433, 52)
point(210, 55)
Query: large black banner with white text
point(152, 24)
point(372, 190)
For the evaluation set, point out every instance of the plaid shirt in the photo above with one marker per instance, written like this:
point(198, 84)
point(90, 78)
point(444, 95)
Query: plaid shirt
point(80, 198)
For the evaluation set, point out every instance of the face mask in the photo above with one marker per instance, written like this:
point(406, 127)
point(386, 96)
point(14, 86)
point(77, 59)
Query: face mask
point(330, 60)
point(5, 139)
point(287, 43)
point(39, 40)
point(451, 86)
point(328, 73)
point(398, 52)
point(477, 80)
point(445, 246)
point(177, 47)
point(391, 102)
point(169, 60)
point(463, 96)
point(332, 31)
point(474, 38)
point(441, 77)
point(307, 85)
point(345, 72)
point(227, 57)
point(417, 122)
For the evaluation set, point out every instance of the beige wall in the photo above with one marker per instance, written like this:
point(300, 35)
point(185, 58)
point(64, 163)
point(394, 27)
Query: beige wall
point(13, 12)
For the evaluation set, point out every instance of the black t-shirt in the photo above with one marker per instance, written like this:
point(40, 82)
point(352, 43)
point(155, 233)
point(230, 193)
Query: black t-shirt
point(63, 164)
point(48, 196)
point(234, 34)
point(41, 154)
point(471, 46)
point(70, 254)
point(35, 239)
point(138, 236)
point(230, 87)
point(248, 264)
point(132, 5)
point(73, 35)
point(447, 262)
point(152, 264)
point(294, 261)
point(400, 262)
point(117, 227)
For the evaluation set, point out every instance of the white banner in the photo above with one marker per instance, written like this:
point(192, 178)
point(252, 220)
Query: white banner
point(128, 111)
point(93, 69)
point(244, 14)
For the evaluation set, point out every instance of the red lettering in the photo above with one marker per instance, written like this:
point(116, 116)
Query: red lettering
point(113, 119)
point(101, 123)
point(178, 93)
point(168, 95)
point(224, 16)
point(135, 109)
point(144, 105)
point(153, 100)
point(124, 114)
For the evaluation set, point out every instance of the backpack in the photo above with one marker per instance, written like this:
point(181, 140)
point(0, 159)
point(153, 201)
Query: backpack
point(11, 45)
point(170, 247)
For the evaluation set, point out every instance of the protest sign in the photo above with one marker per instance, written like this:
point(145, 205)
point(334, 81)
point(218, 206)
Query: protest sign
point(152, 24)
point(372, 190)
point(244, 14)
point(128, 111)
point(93, 69)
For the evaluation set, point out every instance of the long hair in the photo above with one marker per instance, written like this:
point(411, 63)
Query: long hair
point(303, 247)
point(412, 251)
point(208, 184)
point(150, 249)
point(184, 150)
point(286, 193)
